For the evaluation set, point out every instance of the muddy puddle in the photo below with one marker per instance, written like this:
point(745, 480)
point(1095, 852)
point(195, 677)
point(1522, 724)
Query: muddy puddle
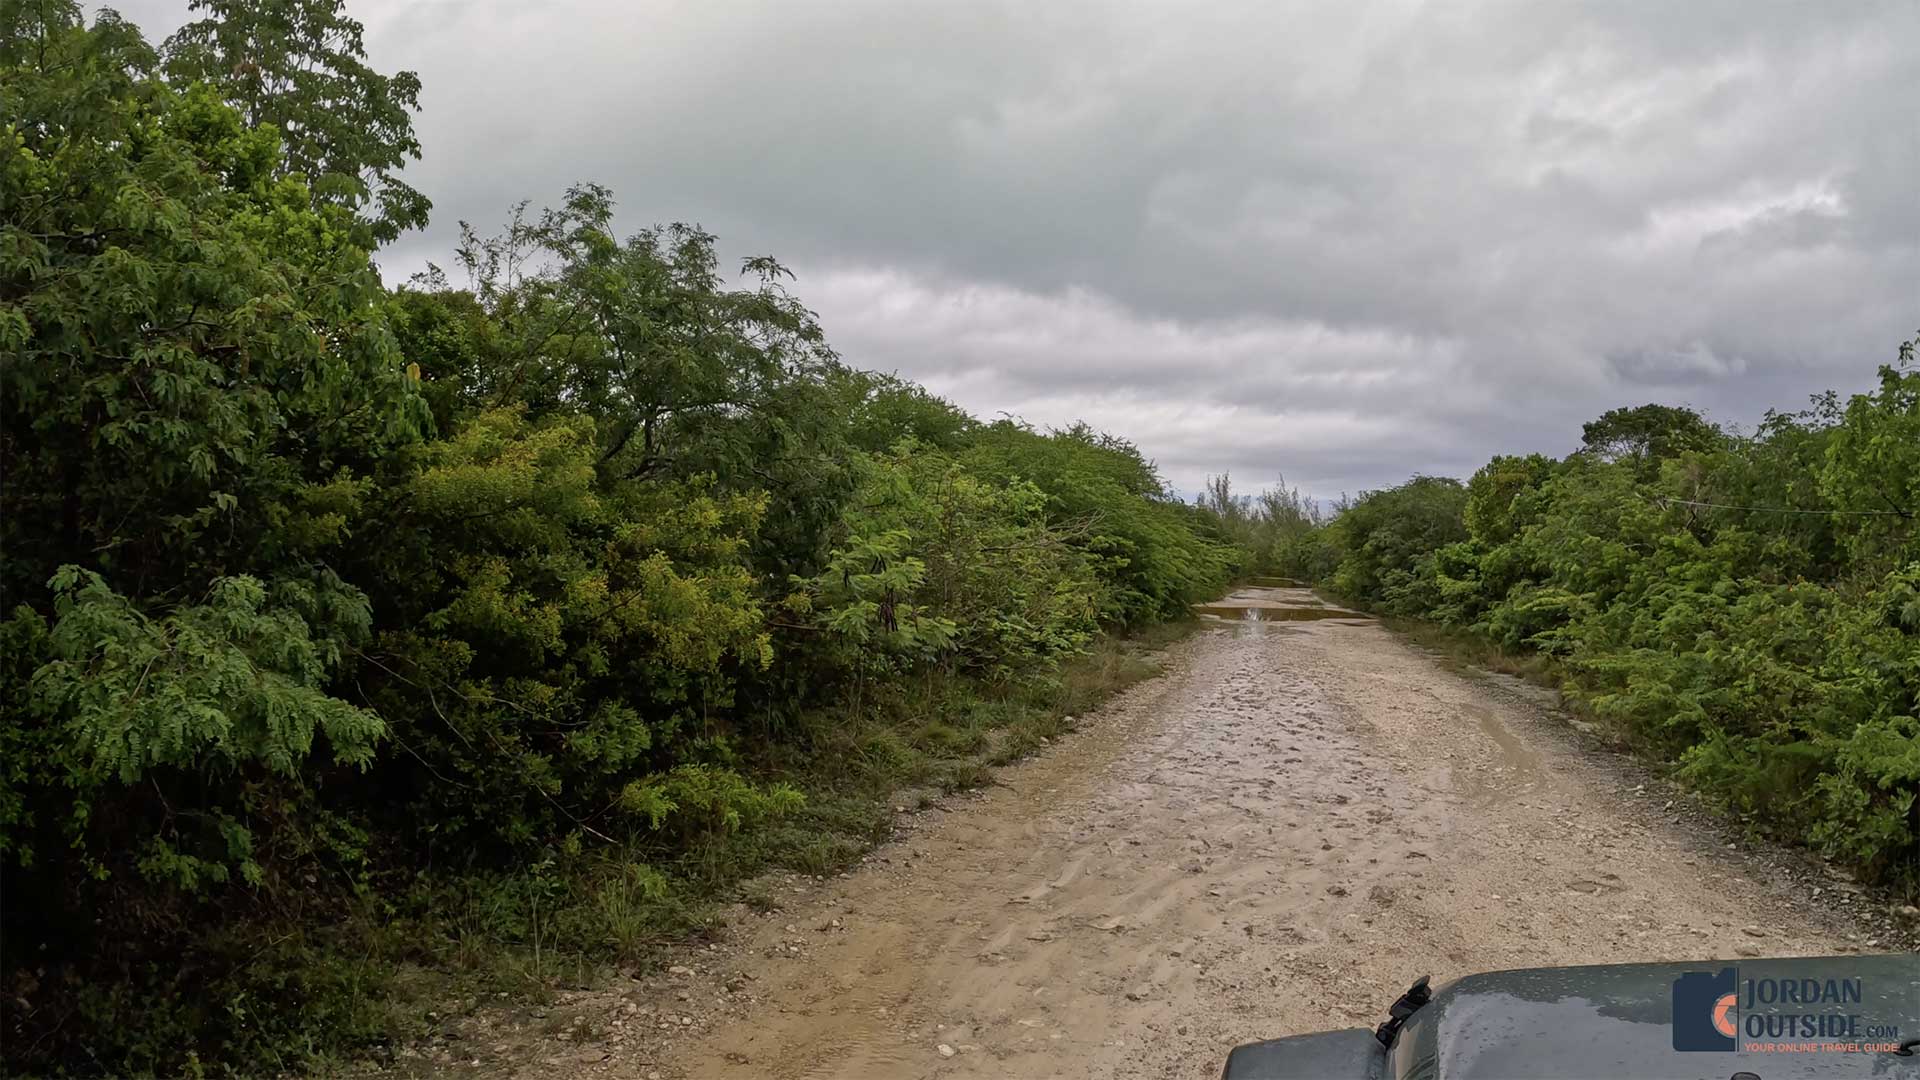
point(1513, 768)
point(1261, 603)
point(1252, 613)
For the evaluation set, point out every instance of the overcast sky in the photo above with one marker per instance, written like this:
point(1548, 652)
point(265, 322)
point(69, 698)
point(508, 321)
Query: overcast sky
point(1344, 241)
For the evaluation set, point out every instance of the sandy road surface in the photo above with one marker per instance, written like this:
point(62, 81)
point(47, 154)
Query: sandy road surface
point(1272, 837)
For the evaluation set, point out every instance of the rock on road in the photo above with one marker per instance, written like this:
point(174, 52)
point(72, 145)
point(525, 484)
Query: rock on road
point(1274, 836)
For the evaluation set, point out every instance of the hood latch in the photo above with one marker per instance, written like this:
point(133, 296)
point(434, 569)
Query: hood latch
point(1410, 1002)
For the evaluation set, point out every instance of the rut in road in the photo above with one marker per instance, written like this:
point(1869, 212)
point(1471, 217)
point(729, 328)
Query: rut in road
point(1274, 836)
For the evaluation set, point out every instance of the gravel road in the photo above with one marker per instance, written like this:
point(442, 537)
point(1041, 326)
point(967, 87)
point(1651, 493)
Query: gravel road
point(1299, 816)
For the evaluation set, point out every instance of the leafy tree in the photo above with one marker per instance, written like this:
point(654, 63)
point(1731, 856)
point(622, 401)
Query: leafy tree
point(684, 374)
point(543, 638)
point(1647, 433)
point(1218, 498)
point(1384, 534)
point(1873, 465)
point(943, 564)
point(1154, 554)
point(1767, 489)
point(195, 368)
point(1496, 511)
point(298, 67)
point(195, 381)
point(883, 409)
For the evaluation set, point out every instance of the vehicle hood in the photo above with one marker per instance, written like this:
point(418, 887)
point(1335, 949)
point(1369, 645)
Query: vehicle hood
point(1609, 1021)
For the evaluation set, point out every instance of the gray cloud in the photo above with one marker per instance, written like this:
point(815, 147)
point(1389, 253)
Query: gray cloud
point(1343, 241)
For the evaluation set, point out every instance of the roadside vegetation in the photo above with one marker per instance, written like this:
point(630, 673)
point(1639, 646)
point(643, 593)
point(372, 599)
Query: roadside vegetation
point(1742, 605)
point(472, 633)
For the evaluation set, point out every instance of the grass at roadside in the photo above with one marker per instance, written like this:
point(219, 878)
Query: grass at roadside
point(1467, 649)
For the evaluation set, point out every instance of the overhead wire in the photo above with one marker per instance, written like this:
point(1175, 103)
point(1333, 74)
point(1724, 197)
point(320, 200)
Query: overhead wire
point(1664, 500)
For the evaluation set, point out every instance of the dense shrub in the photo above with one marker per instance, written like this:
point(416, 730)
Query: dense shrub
point(1153, 553)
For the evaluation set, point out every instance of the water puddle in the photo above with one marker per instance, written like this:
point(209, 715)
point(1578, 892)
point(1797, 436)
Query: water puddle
point(1273, 613)
point(1261, 604)
point(1516, 765)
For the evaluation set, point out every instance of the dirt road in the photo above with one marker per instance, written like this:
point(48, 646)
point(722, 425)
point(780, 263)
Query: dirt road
point(1275, 836)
